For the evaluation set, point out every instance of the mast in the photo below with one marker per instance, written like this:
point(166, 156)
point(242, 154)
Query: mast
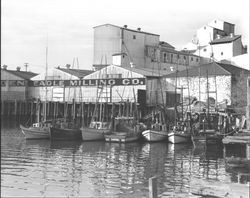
point(46, 74)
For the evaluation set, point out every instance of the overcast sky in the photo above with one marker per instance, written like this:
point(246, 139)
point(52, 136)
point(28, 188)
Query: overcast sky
point(69, 25)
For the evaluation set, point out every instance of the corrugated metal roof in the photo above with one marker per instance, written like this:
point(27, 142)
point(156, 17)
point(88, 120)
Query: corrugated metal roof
point(22, 74)
point(226, 39)
point(76, 72)
point(209, 69)
point(148, 72)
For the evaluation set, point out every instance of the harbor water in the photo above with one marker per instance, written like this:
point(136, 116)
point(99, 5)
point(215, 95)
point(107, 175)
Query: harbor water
point(41, 168)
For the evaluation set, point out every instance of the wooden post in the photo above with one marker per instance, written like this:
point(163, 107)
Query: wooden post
point(15, 108)
point(248, 151)
point(152, 185)
point(82, 112)
point(248, 104)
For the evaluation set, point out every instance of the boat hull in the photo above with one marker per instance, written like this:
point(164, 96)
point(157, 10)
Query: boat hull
point(154, 136)
point(176, 138)
point(122, 137)
point(207, 139)
point(35, 132)
point(91, 134)
point(65, 134)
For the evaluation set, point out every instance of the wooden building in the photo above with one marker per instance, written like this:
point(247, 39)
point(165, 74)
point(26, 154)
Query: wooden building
point(14, 84)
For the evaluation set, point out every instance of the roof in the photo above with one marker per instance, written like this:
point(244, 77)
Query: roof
point(226, 39)
point(22, 74)
point(76, 72)
point(138, 31)
point(148, 72)
point(165, 44)
point(209, 69)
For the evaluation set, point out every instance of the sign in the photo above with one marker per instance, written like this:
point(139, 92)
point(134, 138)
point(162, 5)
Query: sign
point(13, 83)
point(89, 82)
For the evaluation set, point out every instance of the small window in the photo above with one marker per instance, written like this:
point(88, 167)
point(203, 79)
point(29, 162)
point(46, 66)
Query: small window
point(184, 57)
point(221, 53)
point(197, 59)
point(192, 58)
point(134, 37)
point(215, 21)
point(204, 49)
point(204, 27)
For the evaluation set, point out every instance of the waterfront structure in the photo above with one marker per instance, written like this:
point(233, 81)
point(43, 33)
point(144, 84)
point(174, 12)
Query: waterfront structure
point(144, 49)
point(217, 39)
point(225, 83)
point(14, 84)
point(56, 89)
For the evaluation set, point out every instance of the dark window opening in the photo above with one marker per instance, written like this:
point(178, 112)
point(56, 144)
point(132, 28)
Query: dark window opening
point(134, 37)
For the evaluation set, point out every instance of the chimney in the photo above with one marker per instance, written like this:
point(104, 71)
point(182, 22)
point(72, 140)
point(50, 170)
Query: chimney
point(18, 68)
point(67, 66)
point(5, 67)
point(125, 26)
point(139, 29)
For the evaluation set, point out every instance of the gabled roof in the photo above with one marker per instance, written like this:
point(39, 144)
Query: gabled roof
point(138, 31)
point(209, 69)
point(165, 44)
point(22, 74)
point(226, 39)
point(76, 72)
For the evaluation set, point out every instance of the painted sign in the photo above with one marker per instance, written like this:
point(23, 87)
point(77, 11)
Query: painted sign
point(89, 82)
point(74, 83)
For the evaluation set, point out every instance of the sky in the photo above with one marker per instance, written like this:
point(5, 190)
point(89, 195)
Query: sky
point(66, 26)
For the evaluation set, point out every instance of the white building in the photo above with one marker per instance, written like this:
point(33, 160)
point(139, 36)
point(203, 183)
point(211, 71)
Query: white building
point(217, 40)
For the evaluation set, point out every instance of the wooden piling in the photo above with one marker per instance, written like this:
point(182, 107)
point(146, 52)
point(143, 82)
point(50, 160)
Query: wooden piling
point(152, 185)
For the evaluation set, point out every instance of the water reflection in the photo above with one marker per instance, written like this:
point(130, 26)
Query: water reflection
point(97, 169)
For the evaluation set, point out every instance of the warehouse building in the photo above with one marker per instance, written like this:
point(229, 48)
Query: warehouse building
point(14, 84)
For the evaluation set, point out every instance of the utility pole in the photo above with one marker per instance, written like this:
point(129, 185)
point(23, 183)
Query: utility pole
point(26, 66)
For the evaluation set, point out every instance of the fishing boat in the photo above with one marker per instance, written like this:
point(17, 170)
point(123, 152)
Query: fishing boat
point(99, 124)
point(179, 136)
point(95, 131)
point(66, 131)
point(125, 130)
point(40, 129)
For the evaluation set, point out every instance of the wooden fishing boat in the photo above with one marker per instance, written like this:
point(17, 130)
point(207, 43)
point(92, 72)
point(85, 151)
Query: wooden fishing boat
point(65, 132)
point(36, 131)
point(176, 137)
point(95, 131)
point(154, 135)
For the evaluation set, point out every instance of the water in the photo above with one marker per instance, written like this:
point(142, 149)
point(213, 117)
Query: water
point(40, 168)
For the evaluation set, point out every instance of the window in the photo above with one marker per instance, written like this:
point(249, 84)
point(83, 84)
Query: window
point(164, 57)
point(204, 27)
point(184, 57)
point(192, 58)
point(221, 53)
point(197, 59)
point(134, 37)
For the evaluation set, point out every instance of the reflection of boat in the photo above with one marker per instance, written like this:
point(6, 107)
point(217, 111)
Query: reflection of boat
point(38, 130)
point(65, 145)
point(95, 131)
point(66, 133)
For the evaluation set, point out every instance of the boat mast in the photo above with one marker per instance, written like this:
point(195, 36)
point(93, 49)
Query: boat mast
point(46, 74)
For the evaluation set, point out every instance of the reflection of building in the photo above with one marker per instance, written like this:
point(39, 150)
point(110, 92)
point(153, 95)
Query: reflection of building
point(14, 84)
point(230, 82)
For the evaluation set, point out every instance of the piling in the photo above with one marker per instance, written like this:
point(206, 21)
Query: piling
point(152, 185)
point(248, 104)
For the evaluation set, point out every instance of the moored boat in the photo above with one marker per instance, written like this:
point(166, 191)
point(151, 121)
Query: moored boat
point(179, 137)
point(37, 130)
point(95, 131)
point(65, 133)
point(152, 135)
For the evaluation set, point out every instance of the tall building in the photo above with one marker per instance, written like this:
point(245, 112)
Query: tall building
point(130, 44)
